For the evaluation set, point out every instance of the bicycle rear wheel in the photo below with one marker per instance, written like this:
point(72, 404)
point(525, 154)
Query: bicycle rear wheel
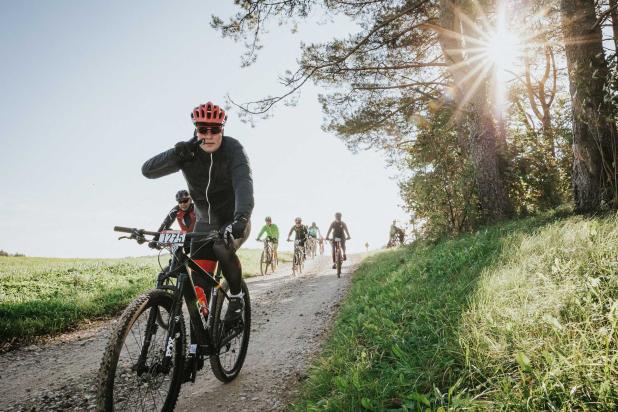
point(232, 342)
point(132, 375)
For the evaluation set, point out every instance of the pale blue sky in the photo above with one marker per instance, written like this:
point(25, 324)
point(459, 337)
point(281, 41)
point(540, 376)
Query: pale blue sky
point(90, 90)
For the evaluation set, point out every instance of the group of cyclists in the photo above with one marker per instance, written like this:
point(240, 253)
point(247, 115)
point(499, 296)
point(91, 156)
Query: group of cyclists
point(184, 214)
point(303, 233)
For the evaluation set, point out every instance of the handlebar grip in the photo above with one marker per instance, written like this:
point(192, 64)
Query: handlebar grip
point(131, 230)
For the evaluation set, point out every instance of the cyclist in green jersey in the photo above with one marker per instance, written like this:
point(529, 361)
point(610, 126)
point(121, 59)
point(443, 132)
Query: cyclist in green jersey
point(272, 234)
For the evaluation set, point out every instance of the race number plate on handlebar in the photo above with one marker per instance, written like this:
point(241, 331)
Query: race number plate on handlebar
point(173, 238)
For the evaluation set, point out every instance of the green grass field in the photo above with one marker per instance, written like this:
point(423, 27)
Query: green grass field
point(521, 316)
point(40, 296)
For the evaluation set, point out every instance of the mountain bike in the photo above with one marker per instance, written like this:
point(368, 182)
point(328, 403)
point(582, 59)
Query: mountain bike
point(268, 257)
point(396, 239)
point(310, 247)
point(146, 359)
point(338, 253)
point(299, 258)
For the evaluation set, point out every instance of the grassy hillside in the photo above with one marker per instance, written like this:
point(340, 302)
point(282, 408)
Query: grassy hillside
point(521, 316)
point(45, 295)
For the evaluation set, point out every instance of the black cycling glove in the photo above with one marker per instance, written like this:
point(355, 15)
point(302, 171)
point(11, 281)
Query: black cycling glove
point(185, 151)
point(236, 228)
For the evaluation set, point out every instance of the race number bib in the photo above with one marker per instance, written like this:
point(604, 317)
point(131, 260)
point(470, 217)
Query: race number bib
point(174, 238)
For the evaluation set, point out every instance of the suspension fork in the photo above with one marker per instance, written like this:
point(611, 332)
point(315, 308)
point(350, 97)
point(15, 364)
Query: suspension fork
point(151, 329)
point(175, 312)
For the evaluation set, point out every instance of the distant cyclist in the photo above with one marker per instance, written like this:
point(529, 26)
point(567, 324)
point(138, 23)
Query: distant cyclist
point(183, 213)
point(272, 234)
point(314, 231)
point(300, 233)
point(395, 234)
point(340, 230)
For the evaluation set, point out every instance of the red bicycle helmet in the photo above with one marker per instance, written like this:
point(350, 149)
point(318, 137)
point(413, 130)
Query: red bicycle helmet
point(209, 113)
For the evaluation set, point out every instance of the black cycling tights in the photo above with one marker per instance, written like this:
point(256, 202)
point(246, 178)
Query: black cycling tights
point(218, 251)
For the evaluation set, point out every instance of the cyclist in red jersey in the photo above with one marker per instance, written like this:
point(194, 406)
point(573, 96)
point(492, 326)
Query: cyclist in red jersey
point(183, 213)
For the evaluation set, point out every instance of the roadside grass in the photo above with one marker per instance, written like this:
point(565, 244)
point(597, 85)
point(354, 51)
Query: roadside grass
point(520, 316)
point(41, 296)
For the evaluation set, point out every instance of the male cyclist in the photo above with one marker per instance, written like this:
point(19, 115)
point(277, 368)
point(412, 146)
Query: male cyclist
point(183, 212)
point(300, 233)
point(272, 234)
point(395, 234)
point(313, 231)
point(338, 228)
point(218, 175)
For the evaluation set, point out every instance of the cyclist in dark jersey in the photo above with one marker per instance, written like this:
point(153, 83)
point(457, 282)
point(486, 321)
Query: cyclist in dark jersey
point(218, 176)
point(300, 233)
point(183, 213)
point(340, 230)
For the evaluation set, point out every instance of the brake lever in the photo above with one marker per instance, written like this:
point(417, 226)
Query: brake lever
point(124, 237)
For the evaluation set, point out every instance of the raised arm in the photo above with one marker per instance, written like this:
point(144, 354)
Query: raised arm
point(171, 160)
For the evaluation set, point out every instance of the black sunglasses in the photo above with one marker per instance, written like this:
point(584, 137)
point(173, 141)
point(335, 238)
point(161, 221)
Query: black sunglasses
point(211, 129)
point(184, 200)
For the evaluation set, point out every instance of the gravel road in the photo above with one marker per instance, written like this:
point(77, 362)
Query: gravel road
point(291, 316)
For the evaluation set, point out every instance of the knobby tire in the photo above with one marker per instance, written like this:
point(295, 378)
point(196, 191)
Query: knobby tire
point(120, 338)
point(220, 362)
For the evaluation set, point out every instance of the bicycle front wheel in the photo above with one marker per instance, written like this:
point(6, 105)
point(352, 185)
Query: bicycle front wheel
point(133, 375)
point(339, 262)
point(263, 263)
point(232, 341)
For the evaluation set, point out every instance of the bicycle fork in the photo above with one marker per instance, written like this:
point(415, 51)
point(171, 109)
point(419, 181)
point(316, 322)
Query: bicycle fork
point(172, 330)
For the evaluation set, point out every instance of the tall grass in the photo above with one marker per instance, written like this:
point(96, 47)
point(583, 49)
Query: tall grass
point(40, 296)
point(521, 316)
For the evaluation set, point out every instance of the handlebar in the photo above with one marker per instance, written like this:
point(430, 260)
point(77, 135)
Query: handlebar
point(138, 234)
point(134, 230)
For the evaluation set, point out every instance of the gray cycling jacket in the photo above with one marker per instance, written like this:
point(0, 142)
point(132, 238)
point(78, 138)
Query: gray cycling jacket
point(220, 183)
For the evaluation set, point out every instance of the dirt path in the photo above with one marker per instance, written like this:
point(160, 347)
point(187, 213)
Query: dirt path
point(290, 317)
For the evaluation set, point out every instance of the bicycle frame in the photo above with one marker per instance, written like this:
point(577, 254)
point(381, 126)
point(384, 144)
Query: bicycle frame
point(202, 340)
point(268, 247)
point(338, 249)
point(207, 334)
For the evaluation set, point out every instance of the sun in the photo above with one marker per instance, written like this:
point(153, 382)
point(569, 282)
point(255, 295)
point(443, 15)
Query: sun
point(502, 53)
point(503, 49)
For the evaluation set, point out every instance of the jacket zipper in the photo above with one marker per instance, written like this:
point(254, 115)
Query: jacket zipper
point(208, 185)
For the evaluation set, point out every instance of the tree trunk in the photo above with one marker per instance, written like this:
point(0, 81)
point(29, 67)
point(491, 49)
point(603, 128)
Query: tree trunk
point(594, 134)
point(471, 96)
point(613, 6)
